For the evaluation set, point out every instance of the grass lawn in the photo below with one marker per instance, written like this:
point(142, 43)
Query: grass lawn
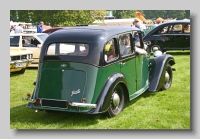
point(169, 109)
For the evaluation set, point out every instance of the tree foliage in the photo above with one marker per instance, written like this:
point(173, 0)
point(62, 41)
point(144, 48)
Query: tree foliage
point(120, 14)
point(74, 17)
point(58, 17)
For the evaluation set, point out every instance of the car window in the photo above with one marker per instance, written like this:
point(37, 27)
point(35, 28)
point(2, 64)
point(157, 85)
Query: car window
point(72, 49)
point(125, 44)
point(110, 51)
point(187, 28)
point(29, 41)
point(43, 37)
point(14, 41)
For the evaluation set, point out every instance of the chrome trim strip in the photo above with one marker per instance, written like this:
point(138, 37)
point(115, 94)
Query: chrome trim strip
point(83, 105)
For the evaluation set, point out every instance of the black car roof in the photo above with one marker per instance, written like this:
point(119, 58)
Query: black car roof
point(88, 33)
point(94, 36)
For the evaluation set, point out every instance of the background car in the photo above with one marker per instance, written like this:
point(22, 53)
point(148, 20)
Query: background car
point(19, 60)
point(29, 41)
point(171, 35)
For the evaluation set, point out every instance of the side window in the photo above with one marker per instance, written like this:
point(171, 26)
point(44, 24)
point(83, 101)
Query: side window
point(187, 28)
point(14, 41)
point(28, 41)
point(125, 44)
point(110, 51)
point(163, 30)
point(177, 28)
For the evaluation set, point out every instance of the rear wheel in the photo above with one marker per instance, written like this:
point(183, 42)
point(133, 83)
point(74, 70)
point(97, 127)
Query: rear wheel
point(117, 101)
point(168, 77)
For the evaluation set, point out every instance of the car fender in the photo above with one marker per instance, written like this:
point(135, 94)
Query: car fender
point(157, 68)
point(103, 101)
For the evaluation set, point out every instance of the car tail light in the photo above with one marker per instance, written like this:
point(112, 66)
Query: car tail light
point(38, 101)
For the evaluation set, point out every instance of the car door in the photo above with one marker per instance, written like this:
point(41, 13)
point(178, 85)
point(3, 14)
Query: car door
point(128, 61)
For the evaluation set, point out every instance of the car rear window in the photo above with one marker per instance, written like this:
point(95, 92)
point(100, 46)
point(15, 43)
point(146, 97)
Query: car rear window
point(70, 49)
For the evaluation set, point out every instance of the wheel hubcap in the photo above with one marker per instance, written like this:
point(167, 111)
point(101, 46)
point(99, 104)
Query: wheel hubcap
point(166, 76)
point(115, 99)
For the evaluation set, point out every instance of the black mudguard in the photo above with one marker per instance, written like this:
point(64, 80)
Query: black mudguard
point(157, 68)
point(103, 101)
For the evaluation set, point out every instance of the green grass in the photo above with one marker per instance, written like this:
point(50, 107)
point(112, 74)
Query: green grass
point(169, 109)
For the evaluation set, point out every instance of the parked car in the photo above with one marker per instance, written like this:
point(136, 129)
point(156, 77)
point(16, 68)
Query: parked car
point(171, 35)
point(88, 73)
point(29, 41)
point(19, 60)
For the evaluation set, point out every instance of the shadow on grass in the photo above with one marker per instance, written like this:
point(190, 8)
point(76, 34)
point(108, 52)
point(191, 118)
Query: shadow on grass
point(144, 95)
point(178, 53)
point(69, 120)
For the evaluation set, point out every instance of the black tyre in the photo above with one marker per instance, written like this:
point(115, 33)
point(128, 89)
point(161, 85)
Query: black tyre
point(167, 78)
point(117, 101)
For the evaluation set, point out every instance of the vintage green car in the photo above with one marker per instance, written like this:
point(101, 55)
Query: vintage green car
point(94, 70)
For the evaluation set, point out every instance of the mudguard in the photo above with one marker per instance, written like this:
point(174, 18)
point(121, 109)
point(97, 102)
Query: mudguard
point(157, 68)
point(103, 101)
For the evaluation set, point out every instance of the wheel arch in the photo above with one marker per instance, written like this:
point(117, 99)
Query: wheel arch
point(103, 101)
point(157, 68)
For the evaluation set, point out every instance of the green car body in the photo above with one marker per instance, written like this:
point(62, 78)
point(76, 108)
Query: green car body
point(87, 82)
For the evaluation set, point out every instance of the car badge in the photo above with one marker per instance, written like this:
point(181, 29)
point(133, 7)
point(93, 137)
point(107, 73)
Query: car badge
point(75, 92)
point(63, 65)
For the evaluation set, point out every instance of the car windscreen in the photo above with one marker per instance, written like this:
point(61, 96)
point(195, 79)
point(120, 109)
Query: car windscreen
point(43, 36)
point(14, 41)
point(68, 49)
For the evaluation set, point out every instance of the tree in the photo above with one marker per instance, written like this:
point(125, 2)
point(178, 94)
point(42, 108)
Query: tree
point(120, 14)
point(58, 17)
point(153, 14)
point(179, 14)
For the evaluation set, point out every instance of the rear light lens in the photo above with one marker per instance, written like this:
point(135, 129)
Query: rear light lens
point(38, 101)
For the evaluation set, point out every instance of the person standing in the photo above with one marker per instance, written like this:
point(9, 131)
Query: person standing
point(143, 28)
point(39, 27)
point(136, 23)
point(19, 29)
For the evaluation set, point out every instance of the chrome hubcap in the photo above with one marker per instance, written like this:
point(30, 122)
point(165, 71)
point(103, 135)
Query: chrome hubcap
point(166, 76)
point(115, 99)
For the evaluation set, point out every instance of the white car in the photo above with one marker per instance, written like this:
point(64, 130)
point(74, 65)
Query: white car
point(31, 41)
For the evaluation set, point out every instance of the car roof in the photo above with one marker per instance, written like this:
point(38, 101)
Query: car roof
point(89, 33)
point(94, 36)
